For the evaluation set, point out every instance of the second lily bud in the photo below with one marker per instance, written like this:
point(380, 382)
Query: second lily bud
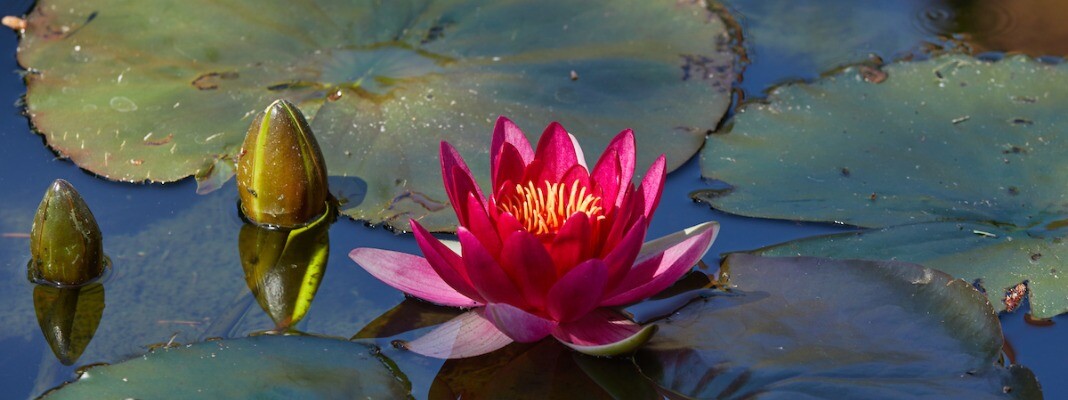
point(281, 173)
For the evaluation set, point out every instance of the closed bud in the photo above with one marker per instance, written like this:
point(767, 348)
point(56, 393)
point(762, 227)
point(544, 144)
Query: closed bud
point(65, 241)
point(281, 173)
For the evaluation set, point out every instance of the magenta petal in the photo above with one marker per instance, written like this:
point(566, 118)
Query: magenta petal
point(506, 132)
point(509, 168)
point(469, 334)
point(662, 262)
point(615, 168)
point(603, 333)
point(458, 181)
point(410, 274)
point(555, 153)
point(480, 225)
point(652, 186)
point(621, 258)
point(578, 292)
point(519, 325)
point(528, 262)
point(572, 242)
point(486, 274)
point(448, 265)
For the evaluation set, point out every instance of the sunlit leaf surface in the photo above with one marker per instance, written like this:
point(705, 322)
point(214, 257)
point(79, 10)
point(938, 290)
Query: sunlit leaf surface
point(950, 139)
point(820, 328)
point(267, 367)
point(145, 91)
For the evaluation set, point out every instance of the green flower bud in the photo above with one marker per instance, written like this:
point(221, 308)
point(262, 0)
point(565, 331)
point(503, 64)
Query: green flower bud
point(281, 174)
point(68, 317)
point(65, 242)
point(284, 268)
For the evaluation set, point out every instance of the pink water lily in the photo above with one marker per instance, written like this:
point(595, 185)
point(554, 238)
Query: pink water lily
point(551, 251)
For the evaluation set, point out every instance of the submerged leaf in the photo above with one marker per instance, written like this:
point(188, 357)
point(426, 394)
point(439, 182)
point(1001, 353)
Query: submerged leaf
point(821, 328)
point(952, 138)
point(265, 367)
point(381, 82)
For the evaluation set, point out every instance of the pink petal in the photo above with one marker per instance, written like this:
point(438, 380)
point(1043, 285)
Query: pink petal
point(652, 186)
point(506, 222)
point(662, 262)
point(527, 261)
point(509, 168)
point(578, 292)
point(486, 274)
point(572, 243)
point(603, 333)
point(469, 334)
point(615, 168)
point(621, 258)
point(410, 274)
point(622, 220)
point(448, 265)
point(519, 325)
point(479, 224)
point(555, 154)
point(458, 180)
point(505, 132)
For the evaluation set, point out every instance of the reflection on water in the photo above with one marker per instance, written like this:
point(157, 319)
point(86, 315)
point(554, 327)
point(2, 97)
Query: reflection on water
point(283, 268)
point(1033, 27)
point(68, 317)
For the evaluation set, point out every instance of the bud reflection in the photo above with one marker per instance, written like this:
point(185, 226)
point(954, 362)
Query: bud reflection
point(283, 268)
point(68, 317)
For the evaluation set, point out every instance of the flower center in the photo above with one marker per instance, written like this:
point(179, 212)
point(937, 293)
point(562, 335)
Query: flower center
point(543, 210)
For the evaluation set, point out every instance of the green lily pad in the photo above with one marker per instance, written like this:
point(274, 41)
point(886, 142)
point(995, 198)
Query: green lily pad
point(821, 328)
point(381, 82)
point(812, 36)
point(998, 259)
point(266, 367)
point(949, 139)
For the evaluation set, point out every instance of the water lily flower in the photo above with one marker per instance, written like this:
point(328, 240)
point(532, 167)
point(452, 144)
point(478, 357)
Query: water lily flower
point(552, 251)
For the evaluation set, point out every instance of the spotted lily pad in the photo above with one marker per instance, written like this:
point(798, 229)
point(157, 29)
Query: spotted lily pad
point(266, 367)
point(950, 140)
point(381, 82)
point(821, 328)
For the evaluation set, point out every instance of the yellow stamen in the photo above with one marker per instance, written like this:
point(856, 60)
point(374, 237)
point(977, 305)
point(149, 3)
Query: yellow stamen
point(543, 210)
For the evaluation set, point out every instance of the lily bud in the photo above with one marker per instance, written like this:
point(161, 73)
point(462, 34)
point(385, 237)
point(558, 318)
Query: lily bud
point(284, 268)
point(68, 317)
point(65, 241)
point(281, 173)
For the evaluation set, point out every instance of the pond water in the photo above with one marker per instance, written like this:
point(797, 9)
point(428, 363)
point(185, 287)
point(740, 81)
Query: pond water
point(163, 229)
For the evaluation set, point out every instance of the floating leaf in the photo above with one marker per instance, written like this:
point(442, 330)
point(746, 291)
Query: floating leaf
point(265, 367)
point(822, 328)
point(382, 83)
point(811, 36)
point(950, 139)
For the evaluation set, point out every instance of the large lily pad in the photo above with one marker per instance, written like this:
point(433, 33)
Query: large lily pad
point(949, 139)
point(811, 36)
point(266, 367)
point(382, 82)
point(821, 328)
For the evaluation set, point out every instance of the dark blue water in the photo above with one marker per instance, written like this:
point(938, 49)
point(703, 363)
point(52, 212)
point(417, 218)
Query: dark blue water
point(27, 166)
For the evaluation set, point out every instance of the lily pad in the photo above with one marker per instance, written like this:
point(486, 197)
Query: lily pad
point(812, 36)
point(266, 367)
point(949, 139)
point(381, 82)
point(822, 328)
